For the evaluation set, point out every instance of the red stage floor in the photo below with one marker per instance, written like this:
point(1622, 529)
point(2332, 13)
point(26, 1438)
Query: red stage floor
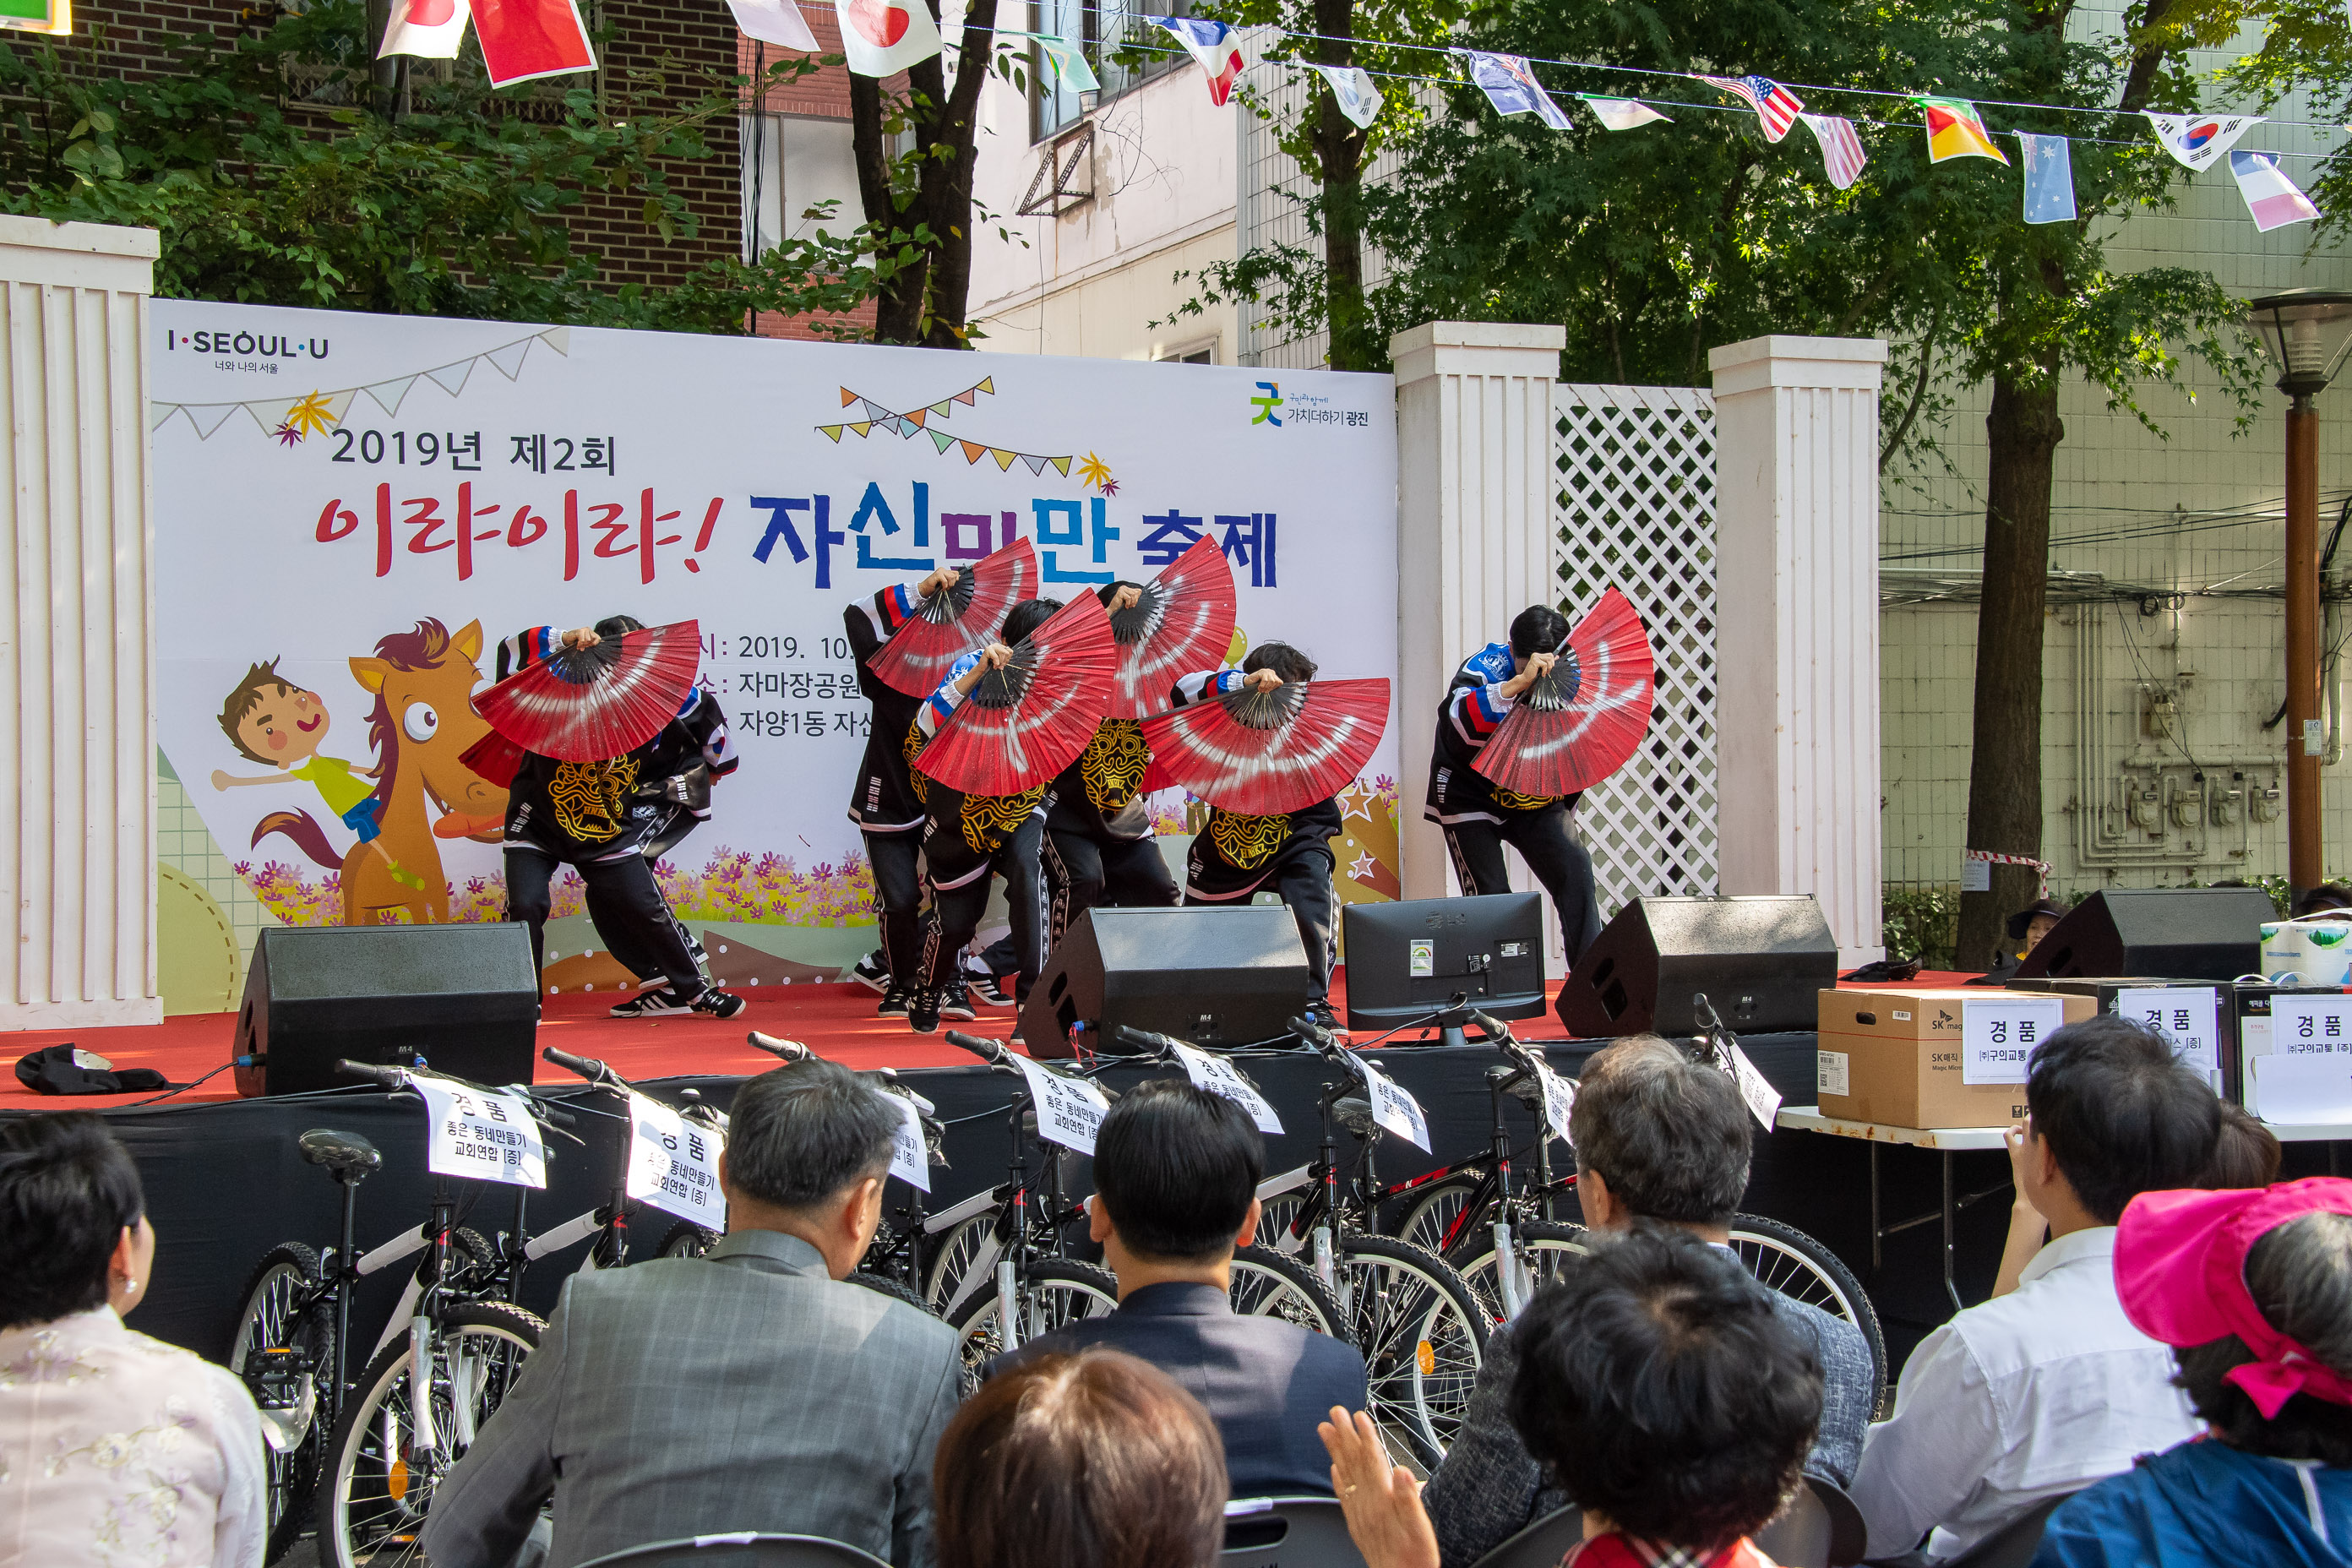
point(838, 1021)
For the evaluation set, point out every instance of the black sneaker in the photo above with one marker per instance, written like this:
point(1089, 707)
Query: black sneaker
point(716, 1003)
point(660, 1003)
point(871, 970)
point(895, 1002)
point(955, 1002)
point(986, 988)
point(923, 1011)
point(1325, 1014)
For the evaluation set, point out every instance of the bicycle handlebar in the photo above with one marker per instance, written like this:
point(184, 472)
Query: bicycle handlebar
point(589, 1068)
point(988, 1052)
point(382, 1077)
point(1147, 1039)
point(787, 1050)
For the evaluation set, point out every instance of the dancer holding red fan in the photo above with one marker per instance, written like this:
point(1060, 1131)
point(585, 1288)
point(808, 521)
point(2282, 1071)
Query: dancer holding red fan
point(1268, 747)
point(1524, 728)
point(610, 726)
point(1100, 847)
point(984, 749)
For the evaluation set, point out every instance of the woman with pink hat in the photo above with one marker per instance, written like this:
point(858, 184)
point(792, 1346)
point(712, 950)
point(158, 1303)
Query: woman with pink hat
point(2253, 1291)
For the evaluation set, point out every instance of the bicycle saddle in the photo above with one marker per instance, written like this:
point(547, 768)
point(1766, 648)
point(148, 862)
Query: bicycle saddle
point(1355, 1114)
point(344, 1153)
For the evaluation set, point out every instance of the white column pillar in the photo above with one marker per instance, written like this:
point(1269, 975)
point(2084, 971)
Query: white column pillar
point(1475, 490)
point(76, 650)
point(1796, 625)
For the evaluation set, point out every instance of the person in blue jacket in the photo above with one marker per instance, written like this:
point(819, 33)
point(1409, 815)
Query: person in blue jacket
point(2253, 1289)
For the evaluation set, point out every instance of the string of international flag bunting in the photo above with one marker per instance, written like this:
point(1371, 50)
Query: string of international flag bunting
point(882, 37)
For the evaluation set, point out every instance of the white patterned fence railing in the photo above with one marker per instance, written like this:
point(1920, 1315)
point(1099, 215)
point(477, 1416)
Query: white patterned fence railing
point(1636, 512)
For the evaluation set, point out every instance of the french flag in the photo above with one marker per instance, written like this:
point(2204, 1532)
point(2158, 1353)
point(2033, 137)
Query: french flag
point(1212, 44)
point(2271, 196)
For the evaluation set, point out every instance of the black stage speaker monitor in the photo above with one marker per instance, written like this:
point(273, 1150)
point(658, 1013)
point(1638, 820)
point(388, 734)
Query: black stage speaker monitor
point(1210, 977)
point(2181, 933)
point(1762, 962)
point(464, 997)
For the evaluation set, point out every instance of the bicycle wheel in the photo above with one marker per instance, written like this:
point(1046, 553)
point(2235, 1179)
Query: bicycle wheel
point(687, 1239)
point(953, 1255)
point(1431, 1214)
point(1788, 1260)
point(1053, 1291)
point(1544, 1247)
point(375, 1488)
point(883, 1285)
point(1266, 1284)
point(282, 1313)
point(1423, 1335)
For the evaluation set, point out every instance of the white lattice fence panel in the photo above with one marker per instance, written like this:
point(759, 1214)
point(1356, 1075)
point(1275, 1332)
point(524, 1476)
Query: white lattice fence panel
point(1636, 512)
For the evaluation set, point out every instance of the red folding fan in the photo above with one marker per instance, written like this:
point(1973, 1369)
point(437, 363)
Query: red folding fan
point(1029, 721)
point(1576, 726)
point(1263, 754)
point(1184, 622)
point(952, 622)
point(584, 705)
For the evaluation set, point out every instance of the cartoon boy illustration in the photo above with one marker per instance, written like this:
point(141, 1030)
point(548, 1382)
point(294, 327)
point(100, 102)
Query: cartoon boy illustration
point(273, 721)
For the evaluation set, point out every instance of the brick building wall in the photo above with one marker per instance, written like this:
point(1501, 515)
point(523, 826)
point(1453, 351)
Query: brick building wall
point(137, 38)
point(823, 95)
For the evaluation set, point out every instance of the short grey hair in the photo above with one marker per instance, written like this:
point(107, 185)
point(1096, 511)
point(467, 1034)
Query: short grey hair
point(2300, 1276)
point(1668, 1134)
point(800, 1134)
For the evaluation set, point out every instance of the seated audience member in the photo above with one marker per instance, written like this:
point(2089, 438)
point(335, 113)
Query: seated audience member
point(1093, 1460)
point(2253, 1291)
point(114, 1448)
point(1659, 1137)
point(1658, 1385)
point(2329, 900)
point(2049, 1388)
point(1176, 1175)
point(2026, 929)
point(2246, 1155)
point(748, 1389)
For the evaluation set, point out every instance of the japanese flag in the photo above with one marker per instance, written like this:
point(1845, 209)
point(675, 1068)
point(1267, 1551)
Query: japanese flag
point(429, 30)
point(771, 22)
point(523, 41)
point(883, 37)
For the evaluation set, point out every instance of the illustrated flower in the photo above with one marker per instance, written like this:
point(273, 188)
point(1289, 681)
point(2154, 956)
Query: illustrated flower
point(1094, 471)
point(287, 435)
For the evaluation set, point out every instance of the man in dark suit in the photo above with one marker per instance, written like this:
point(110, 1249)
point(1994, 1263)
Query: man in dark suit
point(1663, 1138)
point(1176, 1175)
point(749, 1389)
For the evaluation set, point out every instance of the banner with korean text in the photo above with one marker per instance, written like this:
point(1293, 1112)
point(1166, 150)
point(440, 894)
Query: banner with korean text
point(367, 504)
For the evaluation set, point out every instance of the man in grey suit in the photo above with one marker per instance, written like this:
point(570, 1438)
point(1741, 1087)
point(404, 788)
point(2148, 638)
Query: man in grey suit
point(750, 1389)
point(1661, 1137)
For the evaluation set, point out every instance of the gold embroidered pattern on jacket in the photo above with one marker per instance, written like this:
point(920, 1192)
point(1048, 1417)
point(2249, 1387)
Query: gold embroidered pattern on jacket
point(1113, 764)
point(591, 799)
point(1247, 842)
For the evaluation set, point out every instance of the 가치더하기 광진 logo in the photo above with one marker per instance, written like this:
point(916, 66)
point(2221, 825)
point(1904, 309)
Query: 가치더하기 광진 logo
point(1271, 406)
point(1267, 398)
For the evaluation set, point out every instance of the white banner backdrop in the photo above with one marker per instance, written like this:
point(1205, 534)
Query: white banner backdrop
point(372, 502)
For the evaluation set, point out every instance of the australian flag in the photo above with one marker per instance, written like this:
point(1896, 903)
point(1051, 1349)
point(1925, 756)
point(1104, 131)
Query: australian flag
point(1775, 105)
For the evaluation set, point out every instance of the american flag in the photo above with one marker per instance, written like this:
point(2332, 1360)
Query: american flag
point(1775, 105)
point(1841, 153)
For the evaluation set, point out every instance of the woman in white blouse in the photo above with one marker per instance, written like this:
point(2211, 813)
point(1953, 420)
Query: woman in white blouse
point(115, 1448)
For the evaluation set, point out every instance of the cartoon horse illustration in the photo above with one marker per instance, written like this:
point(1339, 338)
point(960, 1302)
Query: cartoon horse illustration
point(422, 724)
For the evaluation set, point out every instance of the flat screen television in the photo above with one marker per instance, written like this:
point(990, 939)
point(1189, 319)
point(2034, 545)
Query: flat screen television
point(1407, 960)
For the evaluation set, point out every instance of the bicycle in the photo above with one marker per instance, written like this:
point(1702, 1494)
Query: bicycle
point(1460, 1211)
point(1422, 1331)
point(364, 1455)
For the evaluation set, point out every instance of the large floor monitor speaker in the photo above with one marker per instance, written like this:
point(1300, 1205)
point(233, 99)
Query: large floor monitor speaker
point(2179, 934)
point(1213, 977)
point(1761, 961)
point(464, 997)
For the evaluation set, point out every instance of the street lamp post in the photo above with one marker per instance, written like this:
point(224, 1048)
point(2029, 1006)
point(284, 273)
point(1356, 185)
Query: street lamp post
point(2306, 330)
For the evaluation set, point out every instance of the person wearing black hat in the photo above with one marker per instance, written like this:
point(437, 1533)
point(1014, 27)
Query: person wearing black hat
point(2329, 900)
point(2026, 928)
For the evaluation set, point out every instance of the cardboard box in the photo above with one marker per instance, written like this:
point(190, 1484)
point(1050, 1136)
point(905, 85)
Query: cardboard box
point(1893, 1056)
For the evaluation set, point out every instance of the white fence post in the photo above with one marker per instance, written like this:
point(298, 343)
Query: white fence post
point(76, 650)
point(1797, 770)
point(1474, 491)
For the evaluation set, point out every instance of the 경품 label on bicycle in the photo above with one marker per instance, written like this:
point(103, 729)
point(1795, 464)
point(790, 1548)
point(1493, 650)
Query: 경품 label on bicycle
point(674, 1163)
point(1069, 1110)
point(481, 1137)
